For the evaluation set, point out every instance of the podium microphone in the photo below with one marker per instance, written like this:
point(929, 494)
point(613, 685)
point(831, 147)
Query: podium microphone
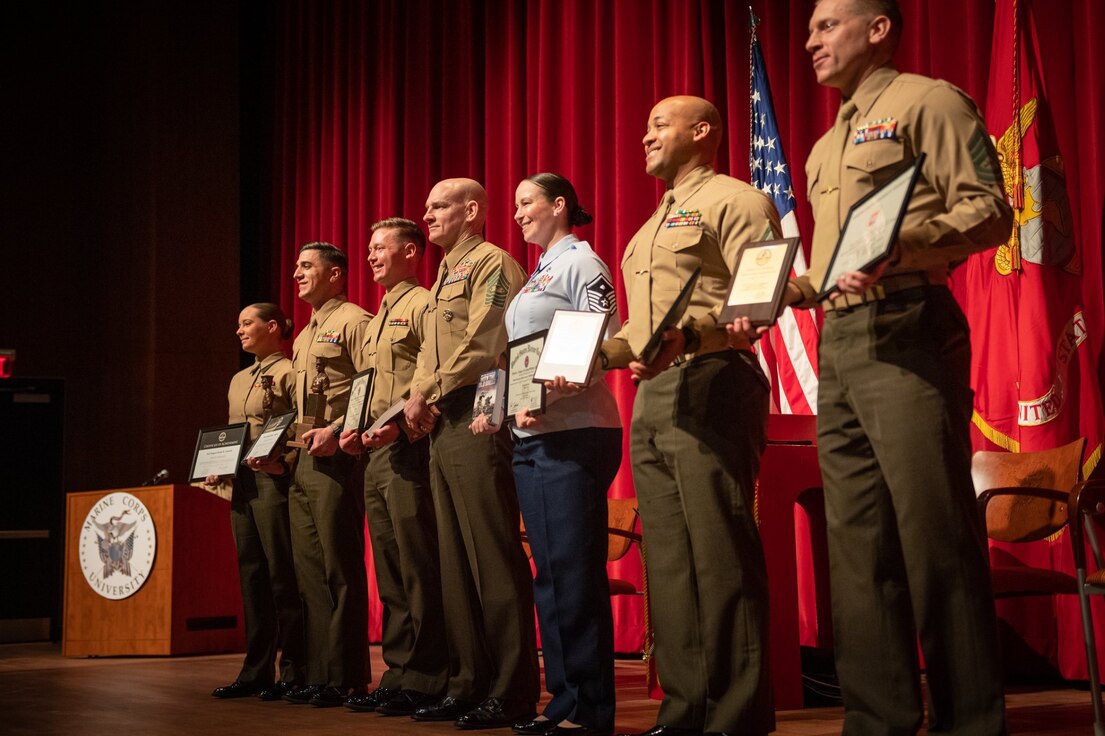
point(159, 477)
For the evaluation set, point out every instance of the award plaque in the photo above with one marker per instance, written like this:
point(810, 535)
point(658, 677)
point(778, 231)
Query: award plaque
point(521, 391)
point(871, 228)
point(271, 433)
point(672, 318)
point(219, 451)
point(393, 411)
point(759, 281)
point(356, 412)
point(490, 400)
point(314, 404)
point(571, 345)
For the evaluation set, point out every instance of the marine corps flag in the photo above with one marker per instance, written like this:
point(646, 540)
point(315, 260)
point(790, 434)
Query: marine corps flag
point(1032, 370)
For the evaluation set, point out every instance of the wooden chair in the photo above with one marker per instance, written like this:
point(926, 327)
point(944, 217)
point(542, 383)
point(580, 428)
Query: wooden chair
point(1028, 496)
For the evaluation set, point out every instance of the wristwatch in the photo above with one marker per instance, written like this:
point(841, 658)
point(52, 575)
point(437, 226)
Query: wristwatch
point(691, 340)
point(335, 429)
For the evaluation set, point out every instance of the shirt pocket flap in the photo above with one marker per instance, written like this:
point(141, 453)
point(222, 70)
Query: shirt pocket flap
point(875, 155)
point(326, 350)
point(676, 239)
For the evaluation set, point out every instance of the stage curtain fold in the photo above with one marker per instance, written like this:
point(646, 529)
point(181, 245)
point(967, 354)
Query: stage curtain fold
point(375, 102)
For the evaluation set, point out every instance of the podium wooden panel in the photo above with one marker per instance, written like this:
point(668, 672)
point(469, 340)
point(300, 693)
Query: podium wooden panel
point(190, 604)
point(788, 468)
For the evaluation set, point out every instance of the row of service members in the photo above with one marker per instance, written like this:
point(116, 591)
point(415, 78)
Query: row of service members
point(893, 333)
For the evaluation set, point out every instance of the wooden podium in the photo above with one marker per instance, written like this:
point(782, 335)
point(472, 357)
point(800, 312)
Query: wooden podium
point(190, 603)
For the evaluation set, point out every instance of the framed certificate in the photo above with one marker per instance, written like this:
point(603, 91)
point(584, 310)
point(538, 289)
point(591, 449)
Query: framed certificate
point(759, 281)
point(672, 318)
point(360, 388)
point(270, 436)
point(522, 392)
point(393, 411)
point(871, 228)
point(571, 346)
point(219, 451)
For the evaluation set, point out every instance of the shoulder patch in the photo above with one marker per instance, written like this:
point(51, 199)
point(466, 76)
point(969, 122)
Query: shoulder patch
point(601, 296)
point(497, 290)
point(979, 149)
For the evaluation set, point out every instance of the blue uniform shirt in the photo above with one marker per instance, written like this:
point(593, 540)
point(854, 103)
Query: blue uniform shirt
point(569, 276)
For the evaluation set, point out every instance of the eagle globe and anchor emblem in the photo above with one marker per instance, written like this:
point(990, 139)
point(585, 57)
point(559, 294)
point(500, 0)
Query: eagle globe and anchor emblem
point(117, 546)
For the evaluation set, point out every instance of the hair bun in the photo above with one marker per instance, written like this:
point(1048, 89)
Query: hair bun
point(580, 217)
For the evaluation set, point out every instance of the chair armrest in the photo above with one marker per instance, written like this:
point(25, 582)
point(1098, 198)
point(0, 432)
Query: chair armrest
point(1087, 499)
point(1027, 514)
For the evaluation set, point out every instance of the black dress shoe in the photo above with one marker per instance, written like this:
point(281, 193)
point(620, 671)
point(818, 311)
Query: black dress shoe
point(368, 702)
point(404, 703)
point(302, 695)
point(332, 697)
point(659, 730)
point(446, 709)
point(495, 713)
point(533, 727)
point(275, 691)
point(236, 690)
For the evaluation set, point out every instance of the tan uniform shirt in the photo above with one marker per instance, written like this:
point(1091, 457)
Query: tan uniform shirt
point(247, 394)
point(701, 222)
point(958, 206)
point(395, 337)
point(335, 332)
point(466, 334)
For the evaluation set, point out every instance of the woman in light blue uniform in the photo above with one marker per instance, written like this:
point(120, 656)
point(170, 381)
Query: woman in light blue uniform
point(564, 462)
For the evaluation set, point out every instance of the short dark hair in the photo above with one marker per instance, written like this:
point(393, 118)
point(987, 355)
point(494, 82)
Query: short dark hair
point(269, 312)
point(555, 185)
point(890, 9)
point(407, 230)
point(329, 253)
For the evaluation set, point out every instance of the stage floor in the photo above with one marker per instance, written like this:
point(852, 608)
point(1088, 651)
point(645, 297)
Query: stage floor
point(42, 692)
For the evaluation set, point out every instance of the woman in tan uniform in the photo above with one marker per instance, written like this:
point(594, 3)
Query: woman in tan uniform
point(259, 517)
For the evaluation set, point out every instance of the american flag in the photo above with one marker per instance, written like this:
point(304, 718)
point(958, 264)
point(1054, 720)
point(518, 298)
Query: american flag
point(788, 354)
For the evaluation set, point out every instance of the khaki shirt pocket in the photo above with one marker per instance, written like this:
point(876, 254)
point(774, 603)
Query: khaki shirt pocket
point(326, 350)
point(452, 307)
point(870, 165)
point(678, 252)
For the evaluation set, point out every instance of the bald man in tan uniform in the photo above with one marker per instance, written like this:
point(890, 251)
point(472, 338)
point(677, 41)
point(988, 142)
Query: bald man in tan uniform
point(487, 588)
point(697, 434)
point(906, 549)
point(398, 500)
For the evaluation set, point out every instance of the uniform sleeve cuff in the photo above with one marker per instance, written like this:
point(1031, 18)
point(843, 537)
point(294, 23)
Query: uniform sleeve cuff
point(618, 353)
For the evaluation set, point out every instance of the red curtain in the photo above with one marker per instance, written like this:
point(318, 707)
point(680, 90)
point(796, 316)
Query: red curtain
point(374, 102)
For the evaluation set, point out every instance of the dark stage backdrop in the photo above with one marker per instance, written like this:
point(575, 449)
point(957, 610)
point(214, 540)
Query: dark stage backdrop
point(374, 102)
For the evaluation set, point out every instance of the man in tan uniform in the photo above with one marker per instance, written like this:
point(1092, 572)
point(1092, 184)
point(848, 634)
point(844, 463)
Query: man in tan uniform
point(697, 434)
point(397, 494)
point(487, 588)
point(906, 549)
point(325, 504)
